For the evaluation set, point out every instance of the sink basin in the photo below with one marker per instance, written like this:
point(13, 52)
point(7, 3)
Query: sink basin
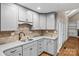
point(30, 39)
point(23, 40)
point(26, 40)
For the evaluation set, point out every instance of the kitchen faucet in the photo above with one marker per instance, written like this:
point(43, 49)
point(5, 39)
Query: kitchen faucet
point(20, 35)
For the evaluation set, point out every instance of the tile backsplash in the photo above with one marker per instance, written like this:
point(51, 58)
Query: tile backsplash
point(13, 36)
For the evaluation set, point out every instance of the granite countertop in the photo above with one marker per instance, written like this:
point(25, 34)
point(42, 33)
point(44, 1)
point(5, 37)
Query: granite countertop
point(18, 43)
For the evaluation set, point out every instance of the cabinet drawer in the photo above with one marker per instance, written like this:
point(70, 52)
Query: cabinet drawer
point(18, 53)
point(12, 51)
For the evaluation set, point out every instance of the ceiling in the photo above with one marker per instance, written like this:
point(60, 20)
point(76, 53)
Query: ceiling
point(50, 7)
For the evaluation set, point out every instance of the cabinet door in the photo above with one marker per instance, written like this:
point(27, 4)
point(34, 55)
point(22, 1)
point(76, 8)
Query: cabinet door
point(40, 46)
point(36, 23)
point(26, 52)
point(13, 51)
point(33, 50)
point(9, 17)
point(51, 47)
point(45, 44)
point(30, 49)
point(42, 21)
point(22, 14)
point(51, 21)
point(30, 16)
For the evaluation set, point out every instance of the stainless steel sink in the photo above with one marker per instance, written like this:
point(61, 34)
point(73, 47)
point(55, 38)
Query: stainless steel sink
point(30, 39)
point(23, 40)
point(26, 40)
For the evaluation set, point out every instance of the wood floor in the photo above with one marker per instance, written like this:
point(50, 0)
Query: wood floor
point(45, 54)
point(69, 48)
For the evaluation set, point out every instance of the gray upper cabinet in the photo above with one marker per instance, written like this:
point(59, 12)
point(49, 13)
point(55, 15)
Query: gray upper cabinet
point(22, 14)
point(25, 15)
point(29, 16)
point(51, 21)
point(11, 13)
point(42, 21)
point(9, 17)
point(36, 23)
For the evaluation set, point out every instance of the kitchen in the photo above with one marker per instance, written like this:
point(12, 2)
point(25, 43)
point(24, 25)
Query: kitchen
point(26, 29)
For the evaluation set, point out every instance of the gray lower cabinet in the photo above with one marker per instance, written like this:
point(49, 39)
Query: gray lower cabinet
point(26, 51)
point(40, 46)
point(9, 17)
point(34, 48)
point(47, 45)
point(52, 46)
point(30, 49)
point(17, 51)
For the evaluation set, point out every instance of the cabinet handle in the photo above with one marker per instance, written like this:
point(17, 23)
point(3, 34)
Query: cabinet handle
point(40, 47)
point(30, 48)
point(39, 44)
point(13, 51)
point(19, 54)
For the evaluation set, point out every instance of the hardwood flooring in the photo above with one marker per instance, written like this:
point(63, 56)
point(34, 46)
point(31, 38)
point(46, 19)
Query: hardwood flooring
point(70, 47)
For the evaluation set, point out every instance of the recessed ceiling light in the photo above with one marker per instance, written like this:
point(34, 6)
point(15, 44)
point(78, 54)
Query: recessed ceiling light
point(38, 8)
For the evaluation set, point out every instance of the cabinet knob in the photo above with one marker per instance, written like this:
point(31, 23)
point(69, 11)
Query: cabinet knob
point(19, 54)
point(30, 48)
point(40, 47)
point(39, 44)
point(13, 51)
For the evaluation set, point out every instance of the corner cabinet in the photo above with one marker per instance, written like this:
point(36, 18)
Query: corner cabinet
point(40, 46)
point(52, 46)
point(9, 17)
point(42, 21)
point(50, 21)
